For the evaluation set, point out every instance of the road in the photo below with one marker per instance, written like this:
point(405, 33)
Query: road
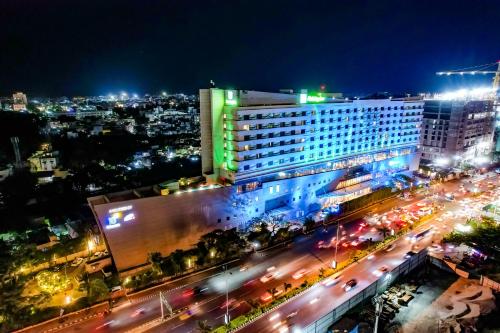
point(142, 313)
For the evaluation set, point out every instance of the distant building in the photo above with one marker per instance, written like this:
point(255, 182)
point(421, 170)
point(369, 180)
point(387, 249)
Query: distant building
point(43, 161)
point(457, 131)
point(19, 101)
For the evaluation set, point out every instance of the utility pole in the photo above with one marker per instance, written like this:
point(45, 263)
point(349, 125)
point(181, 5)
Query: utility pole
point(378, 301)
point(226, 317)
point(336, 244)
point(164, 302)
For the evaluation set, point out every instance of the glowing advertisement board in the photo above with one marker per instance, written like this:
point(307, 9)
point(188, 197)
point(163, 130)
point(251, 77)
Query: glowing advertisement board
point(117, 216)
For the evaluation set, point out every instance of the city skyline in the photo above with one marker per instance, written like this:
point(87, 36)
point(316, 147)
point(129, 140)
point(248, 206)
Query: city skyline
point(150, 48)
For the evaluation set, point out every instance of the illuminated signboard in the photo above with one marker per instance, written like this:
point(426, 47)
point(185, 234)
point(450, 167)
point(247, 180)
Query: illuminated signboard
point(117, 216)
point(304, 98)
point(231, 98)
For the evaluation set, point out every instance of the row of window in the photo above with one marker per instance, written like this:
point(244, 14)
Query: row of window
point(329, 153)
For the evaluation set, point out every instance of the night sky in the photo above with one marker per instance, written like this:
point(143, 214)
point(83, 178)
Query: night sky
point(73, 47)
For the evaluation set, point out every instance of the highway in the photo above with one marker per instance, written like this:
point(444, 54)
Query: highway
point(203, 296)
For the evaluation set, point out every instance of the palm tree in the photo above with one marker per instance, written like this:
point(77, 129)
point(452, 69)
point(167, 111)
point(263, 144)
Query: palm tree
point(203, 327)
point(384, 231)
point(286, 286)
point(272, 291)
point(321, 272)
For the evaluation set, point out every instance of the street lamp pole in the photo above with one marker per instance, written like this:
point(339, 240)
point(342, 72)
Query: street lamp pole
point(379, 304)
point(227, 296)
point(336, 243)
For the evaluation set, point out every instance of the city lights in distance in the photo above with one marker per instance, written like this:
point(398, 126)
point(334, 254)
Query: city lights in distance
point(463, 94)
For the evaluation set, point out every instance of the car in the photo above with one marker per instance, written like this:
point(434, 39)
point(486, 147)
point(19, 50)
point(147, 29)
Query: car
point(390, 247)
point(292, 314)
point(267, 295)
point(410, 254)
point(331, 281)
point(243, 268)
point(76, 262)
point(267, 277)
point(436, 248)
point(188, 292)
point(300, 273)
point(381, 271)
point(323, 245)
point(349, 285)
point(116, 288)
point(199, 290)
point(228, 303)
point(137, 312)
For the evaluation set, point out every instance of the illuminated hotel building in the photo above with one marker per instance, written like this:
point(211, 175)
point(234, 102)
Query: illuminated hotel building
point(258, 140)
point(283, 155)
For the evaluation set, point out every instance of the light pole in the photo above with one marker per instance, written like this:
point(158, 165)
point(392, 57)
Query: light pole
point(336, 245)
point(379, 305)
point(226, 319)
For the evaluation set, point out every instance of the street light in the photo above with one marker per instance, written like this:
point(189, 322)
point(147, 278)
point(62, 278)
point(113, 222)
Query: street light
point(334, 263)
point(226, 316)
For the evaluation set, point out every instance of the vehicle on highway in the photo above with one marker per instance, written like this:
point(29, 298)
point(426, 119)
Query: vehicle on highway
point(436, 248)
point(229, 303)
point(243, 268)
point(381, 271)
point(324, 245)
point(300, 273)
point(349, 285)
point(267, 277)
point(410, 254)
point(137, 312)
point(420, 235)
point(106, 324)
point(314, 300)
point(267, 296)
point(331, 280)
point(292, 314)
point(390, 247)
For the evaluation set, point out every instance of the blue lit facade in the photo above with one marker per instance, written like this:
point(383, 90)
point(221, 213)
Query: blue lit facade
point(291, 157)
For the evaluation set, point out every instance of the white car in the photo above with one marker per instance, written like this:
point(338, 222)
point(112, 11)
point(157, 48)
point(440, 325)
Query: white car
point(267, 277)
point(76, 262)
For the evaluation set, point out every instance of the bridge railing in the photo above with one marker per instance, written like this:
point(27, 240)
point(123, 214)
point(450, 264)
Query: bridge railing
point(380, 285)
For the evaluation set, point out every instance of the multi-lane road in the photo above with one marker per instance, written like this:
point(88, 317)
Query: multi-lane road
point(203, 297)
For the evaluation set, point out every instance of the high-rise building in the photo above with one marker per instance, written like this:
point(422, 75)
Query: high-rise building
point(457, 131)
point(249, 137)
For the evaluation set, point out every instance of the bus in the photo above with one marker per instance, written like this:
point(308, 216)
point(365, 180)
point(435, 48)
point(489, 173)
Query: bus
point(420, 235)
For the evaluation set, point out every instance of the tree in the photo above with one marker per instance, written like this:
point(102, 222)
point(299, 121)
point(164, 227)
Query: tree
point(384, 230)
point(155, 259)
point(309, 224)
point(272, 291)
point(203, 327)
point(321, 272)
point(282, 234)
point(98, 290)
point(287, 286)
